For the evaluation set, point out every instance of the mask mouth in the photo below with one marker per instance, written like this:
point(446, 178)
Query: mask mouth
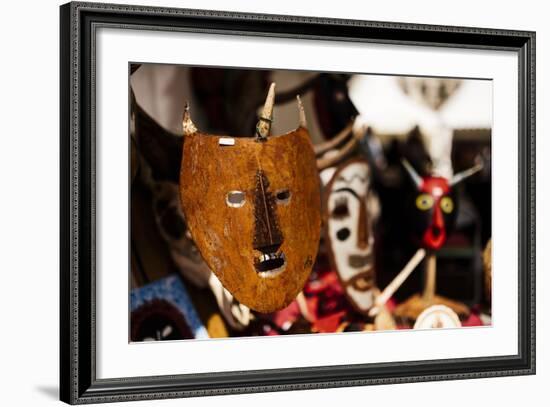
point(434, 237)
point(363, 281)
point(358, 261)
point(362, 284)
point(436, 232)
point(269, 265)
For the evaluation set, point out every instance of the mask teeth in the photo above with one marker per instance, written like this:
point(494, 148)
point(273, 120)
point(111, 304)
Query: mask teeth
point(269, 256)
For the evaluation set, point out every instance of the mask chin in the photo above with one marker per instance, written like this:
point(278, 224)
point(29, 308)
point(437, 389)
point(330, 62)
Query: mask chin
point(360, 289)
point(362, 300)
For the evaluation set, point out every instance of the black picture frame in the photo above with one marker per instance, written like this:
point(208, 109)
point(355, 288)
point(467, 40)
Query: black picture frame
point(78, 382)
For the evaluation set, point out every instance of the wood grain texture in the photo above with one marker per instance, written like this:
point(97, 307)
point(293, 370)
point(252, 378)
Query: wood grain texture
point(225, 235)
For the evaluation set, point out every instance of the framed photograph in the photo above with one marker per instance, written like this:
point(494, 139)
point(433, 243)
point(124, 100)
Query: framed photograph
point(255, 203)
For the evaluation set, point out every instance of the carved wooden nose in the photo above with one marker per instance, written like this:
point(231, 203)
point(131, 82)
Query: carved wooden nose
point(267, 234)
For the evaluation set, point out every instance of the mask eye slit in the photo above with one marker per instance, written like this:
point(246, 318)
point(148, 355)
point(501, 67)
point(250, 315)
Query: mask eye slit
point(341, 209)
point(235, 199)
point(343, 234)
point(283, 196)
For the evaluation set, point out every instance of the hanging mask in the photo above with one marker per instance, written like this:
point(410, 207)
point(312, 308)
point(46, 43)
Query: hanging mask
point(172, 227)
point(435, 207)
point(349, 232)
point(252, 205)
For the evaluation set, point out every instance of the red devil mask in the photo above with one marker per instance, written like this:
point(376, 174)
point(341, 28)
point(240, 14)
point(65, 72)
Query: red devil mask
point(435, 207)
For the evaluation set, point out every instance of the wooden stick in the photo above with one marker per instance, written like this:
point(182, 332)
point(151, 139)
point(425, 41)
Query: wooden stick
point(429, 285)
point(333, 142)
point(302, 306)
point(397, 282)
point(347, 148)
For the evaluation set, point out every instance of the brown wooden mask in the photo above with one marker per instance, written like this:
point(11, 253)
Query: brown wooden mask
point(253, 208)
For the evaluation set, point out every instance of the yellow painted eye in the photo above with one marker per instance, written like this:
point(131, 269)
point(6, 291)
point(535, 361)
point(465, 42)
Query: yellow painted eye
point(447, 204)
point(424, 202)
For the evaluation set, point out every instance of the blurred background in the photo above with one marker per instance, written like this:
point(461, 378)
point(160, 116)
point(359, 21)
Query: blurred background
point(440, 125)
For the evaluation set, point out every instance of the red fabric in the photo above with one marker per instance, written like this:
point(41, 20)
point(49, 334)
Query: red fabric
point(326, 303)
point(473, 320)
point(330, 310)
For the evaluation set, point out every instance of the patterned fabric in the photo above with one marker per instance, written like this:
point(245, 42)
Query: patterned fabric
point(168, 291)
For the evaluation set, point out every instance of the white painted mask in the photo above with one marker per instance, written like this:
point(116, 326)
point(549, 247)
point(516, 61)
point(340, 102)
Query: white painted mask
point(349, 232)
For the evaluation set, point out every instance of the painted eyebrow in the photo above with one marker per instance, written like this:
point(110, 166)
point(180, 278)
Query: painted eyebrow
point(351, 191)
point(354, 176)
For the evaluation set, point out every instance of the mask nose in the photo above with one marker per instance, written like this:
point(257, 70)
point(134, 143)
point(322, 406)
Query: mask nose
point(362, 226)
point(267, 234)
point(435, 234)
point(269, 249)
point(438, 221)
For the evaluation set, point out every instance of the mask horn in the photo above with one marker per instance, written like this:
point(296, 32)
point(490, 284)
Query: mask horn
point(263, 127)
point(303, 121)
point(188, 125)
point(461, 176)
point(417, 179)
